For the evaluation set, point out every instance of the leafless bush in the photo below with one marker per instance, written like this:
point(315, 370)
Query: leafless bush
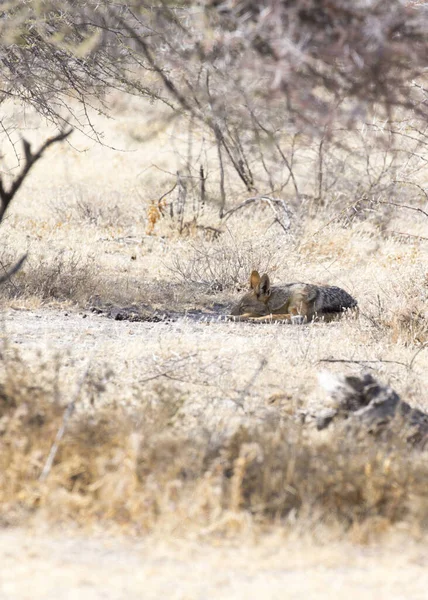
point(401, 310)
point(95, 215)
point(81, 204)
point(101, 212)
point(254, 76)
point(325, 59)
point(363, 175)
point(65, 277)
point(330, 59)
point(224, 266)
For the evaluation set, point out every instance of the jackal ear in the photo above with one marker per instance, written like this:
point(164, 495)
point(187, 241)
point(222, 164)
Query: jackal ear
point(254, 279)
point(264, 286)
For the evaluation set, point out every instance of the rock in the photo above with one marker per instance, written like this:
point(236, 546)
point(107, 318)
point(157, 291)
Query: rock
point(365, 403)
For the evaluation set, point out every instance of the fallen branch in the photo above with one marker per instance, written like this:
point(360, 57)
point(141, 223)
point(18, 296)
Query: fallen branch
point(413, 235)
point(62, 429)
point(362, 362)
point(277, 206)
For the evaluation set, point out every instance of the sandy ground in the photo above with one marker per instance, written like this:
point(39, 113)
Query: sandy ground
point(134, 349)
point(226, 373)
point(68, 566)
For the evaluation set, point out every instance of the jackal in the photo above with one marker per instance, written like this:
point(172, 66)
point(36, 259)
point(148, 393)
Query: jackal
point(291, 302)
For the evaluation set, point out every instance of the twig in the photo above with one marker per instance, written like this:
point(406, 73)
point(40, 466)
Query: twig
point(411, 183)
point(202, 180)
point(354, 203)
point(165, 369)
point(320, 171)
point(181, 201)
point(8, 274)
point(60, 433)
point(288, 164)
point(415, 208)
point(167, 193)
point(418, 351)
point(372, 321)
point(420, 237)
point(273, 204)
point(221, 167)
point(244, 391)
point(362, 362)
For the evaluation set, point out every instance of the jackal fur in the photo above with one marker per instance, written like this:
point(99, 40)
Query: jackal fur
point(291, 302)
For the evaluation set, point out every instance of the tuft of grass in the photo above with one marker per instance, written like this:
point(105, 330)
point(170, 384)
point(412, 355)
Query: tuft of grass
point(81, 205)
point(405, 314)
point(64, 277)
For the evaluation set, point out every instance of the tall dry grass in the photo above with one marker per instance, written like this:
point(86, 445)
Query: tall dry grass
point(135, 468)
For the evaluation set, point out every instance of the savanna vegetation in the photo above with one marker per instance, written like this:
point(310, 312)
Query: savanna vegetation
point(181, 146)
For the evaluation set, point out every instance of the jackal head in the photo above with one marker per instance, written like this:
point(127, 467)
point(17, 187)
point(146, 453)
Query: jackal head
point(254, 303)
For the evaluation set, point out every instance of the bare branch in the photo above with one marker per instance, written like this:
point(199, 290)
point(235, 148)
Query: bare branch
point(415, 208)
point(30, 159)
point(278, 206)
point(8, 274)
point(404, 234)
point(63, 427)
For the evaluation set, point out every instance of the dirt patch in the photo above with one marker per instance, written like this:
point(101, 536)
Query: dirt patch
point(37, 565)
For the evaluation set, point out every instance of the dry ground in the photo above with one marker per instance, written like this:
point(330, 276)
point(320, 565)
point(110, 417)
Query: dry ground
point(82, 217)
point(36, 565)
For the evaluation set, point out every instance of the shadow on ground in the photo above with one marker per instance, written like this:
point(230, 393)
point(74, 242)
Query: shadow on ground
point(146, 313)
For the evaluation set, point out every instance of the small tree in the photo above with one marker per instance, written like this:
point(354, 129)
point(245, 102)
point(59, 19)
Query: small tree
point(245, 70)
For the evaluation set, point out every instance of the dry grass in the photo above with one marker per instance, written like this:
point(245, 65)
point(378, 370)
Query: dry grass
point(137, 468)
point(64, 277)
point(187, 425)
point(224, 265)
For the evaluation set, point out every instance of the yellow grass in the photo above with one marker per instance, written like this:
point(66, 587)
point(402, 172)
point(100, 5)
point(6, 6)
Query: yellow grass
point(188, 426)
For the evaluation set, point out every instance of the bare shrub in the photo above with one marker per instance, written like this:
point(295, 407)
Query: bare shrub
point(95, 214)
point(319, 61)
point(255, 78)
point(402, 309)
point(67, 276)
point(82, 205)
point(363, 175)
point(224, 266)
